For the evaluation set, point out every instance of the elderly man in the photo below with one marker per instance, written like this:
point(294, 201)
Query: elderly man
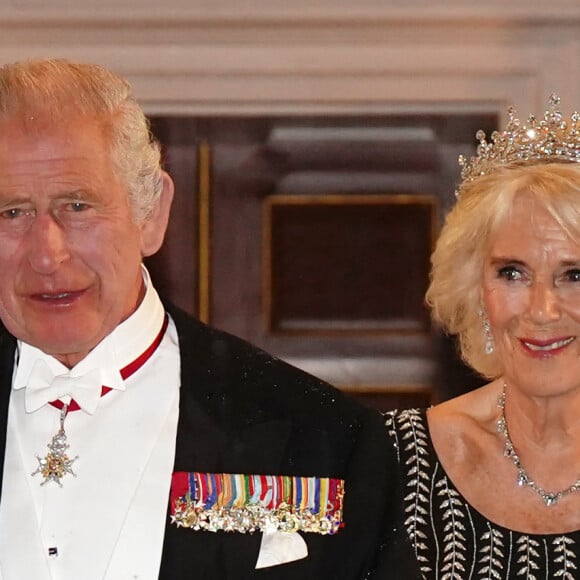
point(136, 442)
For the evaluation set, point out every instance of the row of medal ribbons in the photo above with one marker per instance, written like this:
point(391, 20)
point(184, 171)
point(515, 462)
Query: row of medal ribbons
point(247, 503)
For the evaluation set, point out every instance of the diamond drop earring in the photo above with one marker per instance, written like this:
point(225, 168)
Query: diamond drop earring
point(489, 346)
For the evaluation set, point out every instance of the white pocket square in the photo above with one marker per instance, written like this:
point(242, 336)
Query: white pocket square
point(280, 548)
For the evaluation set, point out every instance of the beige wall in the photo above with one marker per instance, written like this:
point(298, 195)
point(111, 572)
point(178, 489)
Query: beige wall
point(303, 56)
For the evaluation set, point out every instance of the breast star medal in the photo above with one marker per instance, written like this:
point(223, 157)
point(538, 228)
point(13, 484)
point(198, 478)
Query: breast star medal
point(56, 463)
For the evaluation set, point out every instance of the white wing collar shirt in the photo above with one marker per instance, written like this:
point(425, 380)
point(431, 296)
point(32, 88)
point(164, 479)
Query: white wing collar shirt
point(107, 520)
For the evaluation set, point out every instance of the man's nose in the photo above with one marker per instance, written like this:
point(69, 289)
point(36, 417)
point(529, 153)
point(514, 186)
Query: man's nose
point(48, 247)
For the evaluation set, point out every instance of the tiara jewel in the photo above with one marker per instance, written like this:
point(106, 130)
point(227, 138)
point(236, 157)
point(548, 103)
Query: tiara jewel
point(553, 139)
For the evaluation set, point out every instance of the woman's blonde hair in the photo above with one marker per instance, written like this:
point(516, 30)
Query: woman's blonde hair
point(56, 89)
point(455, 291)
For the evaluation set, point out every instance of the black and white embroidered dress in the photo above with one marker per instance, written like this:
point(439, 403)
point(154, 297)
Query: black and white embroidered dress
point(437, 535)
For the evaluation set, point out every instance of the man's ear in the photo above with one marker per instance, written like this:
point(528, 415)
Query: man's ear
point(153, 229)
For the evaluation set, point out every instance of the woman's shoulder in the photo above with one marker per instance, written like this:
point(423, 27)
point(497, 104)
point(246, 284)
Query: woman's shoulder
point(453, 433)
point(475, 410)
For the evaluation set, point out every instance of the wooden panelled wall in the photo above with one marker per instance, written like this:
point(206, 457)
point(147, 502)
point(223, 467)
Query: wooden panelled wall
point(311, 237)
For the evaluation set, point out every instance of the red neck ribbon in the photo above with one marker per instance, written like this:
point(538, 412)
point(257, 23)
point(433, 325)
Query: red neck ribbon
point(127, 371)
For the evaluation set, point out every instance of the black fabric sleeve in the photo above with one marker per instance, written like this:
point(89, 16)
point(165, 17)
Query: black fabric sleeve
point(394, 558)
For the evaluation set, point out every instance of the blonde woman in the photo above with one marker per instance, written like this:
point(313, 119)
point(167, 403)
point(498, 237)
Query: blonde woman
point(490, 481)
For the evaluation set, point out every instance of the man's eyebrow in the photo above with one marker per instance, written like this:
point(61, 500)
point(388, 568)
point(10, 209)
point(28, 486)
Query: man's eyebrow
point(14, 200)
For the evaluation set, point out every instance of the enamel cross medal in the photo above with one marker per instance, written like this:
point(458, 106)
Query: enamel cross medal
point(56, 463)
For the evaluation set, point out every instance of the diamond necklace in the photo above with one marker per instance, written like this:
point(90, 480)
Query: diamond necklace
point(523, 479)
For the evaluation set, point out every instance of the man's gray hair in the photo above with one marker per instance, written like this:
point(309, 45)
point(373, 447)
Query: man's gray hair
point(55, 89)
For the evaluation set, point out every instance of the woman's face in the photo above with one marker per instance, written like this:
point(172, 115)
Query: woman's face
point(531, 291)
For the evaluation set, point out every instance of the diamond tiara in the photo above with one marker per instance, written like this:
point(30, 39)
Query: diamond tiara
point(553, 139)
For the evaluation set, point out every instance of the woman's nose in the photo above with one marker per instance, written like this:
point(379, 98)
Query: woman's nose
point(544, 306)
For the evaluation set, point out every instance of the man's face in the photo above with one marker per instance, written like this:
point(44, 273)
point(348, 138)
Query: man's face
point(70, 253)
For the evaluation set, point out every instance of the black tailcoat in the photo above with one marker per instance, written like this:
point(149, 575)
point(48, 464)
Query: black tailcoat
point(243, 411)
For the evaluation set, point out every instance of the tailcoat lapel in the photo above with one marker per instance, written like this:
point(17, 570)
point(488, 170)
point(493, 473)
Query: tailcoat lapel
point(213, 437)
point(7, 347)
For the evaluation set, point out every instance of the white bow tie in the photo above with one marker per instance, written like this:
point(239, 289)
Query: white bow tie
point(43, 387)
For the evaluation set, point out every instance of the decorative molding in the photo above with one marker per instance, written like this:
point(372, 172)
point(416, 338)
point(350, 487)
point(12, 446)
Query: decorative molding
point(283, 316)
point(204, 232)
point(365, 373)
point(268, 12)
point(328, 56)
